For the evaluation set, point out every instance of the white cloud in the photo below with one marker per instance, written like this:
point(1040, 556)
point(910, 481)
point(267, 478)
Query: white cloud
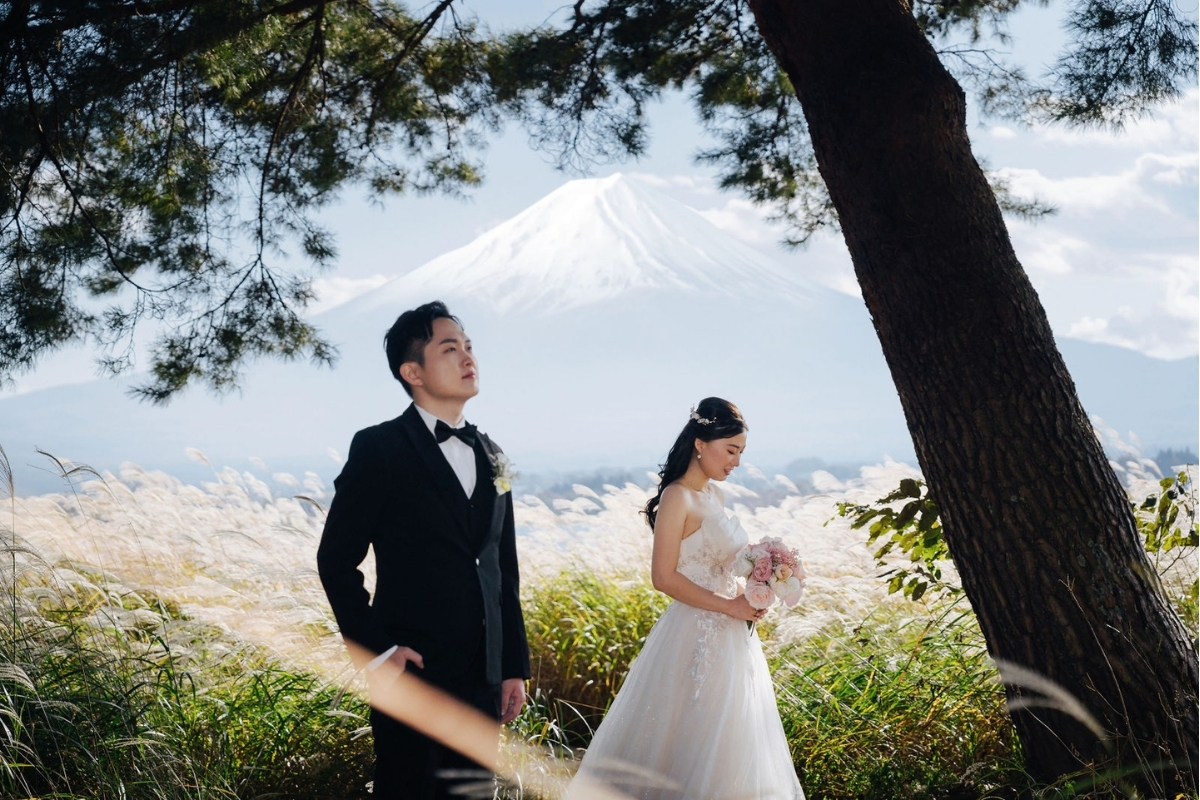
point(1141, 295)
point(1088, 329)
point(1152, 332)
point(1181, 284)
point(1117, 264)
point(1139, 187)
point(1177, 123)
point(1054, 253)
point(1150, 303)
point(1176, 170)
point(743, 219)
point(334, 291)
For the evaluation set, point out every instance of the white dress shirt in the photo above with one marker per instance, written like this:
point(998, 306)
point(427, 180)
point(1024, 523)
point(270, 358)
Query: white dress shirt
point(456, 451)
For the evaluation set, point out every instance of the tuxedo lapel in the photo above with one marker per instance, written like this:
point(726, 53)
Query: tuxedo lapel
point(446, 483)
point(485, 460)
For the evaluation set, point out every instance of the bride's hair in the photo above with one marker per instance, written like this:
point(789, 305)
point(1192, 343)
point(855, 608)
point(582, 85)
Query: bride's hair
point(713, 419)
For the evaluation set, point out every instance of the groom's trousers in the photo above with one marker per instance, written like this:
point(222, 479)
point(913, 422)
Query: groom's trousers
point(411, 766)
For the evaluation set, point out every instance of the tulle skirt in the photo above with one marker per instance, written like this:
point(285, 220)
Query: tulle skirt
point(695, 718)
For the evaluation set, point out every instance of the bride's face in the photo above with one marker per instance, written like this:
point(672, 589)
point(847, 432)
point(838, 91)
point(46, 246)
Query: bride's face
point(720, 457)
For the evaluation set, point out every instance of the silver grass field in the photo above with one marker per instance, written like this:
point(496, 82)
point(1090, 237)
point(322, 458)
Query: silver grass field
point(192, 616)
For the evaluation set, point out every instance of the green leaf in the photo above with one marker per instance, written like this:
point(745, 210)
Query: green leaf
point(863, 518)
point(906, 514)
point(929, 517)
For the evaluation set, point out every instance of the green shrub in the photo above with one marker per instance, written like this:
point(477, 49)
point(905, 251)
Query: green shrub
point(1167, 523)
point(584, 631)
point(896, 708)
point(890, 708)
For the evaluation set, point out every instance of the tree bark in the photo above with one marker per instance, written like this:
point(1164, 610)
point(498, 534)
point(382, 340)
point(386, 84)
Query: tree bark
point(1037, 523)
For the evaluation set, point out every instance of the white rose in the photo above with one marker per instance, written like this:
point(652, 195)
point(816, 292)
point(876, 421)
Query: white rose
point(792, 595)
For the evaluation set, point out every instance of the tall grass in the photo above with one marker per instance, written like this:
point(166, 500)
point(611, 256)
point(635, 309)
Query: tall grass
point(107, 696)
point(584, 631)
point(111, 691)
point(898, 705)
point(898, 708)
point(164, 640)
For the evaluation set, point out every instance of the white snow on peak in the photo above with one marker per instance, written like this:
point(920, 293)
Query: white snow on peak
point(591, 241)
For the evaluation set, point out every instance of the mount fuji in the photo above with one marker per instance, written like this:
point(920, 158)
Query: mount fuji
point(599, 315)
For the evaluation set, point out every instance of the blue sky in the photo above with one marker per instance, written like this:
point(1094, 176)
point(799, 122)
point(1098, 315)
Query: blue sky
point(1118, 264)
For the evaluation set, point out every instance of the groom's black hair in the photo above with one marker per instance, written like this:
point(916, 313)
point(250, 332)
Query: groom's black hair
point(405, 341)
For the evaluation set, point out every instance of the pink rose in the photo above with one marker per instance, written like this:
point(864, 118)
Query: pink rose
point(759, 594)
point(762, 569)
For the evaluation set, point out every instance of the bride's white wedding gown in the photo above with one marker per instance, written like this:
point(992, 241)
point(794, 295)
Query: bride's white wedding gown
point(696, 716)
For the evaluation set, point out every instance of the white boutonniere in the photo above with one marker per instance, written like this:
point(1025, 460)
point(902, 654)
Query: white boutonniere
point(503, 473)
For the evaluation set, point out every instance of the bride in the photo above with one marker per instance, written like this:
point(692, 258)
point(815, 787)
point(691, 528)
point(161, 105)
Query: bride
point(696, 715)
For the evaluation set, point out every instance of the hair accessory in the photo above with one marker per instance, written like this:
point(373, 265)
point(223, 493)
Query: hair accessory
point(700, 419)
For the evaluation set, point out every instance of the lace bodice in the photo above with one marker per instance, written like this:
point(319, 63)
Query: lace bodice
point(706, 557)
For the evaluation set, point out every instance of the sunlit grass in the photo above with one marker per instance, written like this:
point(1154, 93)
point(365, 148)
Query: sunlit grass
point(898, 708)
point(107, 692)
point(904, 704)
point(584, 631)
point(165, 640)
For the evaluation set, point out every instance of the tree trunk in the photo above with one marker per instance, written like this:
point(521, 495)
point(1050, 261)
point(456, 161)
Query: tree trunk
point(1036, 521)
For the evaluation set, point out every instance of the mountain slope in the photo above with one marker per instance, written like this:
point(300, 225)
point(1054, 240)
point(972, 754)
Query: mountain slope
point(599, 315)
point(592, 241)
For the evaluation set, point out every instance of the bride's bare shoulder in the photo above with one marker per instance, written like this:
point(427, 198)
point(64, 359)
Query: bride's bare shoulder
point(681, 493)
point(677, 495)
point(674, 493)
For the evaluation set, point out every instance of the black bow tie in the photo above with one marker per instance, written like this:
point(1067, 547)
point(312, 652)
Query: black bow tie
point(465, 434)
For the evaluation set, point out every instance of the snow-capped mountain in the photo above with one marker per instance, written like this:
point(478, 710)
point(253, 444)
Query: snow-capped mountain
point(590, 242)
point(599, 315)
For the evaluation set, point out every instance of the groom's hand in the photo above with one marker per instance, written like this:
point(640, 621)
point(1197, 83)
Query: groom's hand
point(512, 697)
point(403, 655)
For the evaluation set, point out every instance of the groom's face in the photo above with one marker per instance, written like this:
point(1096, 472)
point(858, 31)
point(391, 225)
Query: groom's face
point(450, 371)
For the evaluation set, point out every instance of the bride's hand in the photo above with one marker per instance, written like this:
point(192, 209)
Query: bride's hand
point(739, 608)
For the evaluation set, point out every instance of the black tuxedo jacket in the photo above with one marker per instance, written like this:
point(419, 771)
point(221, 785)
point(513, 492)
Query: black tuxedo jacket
point(446, 563)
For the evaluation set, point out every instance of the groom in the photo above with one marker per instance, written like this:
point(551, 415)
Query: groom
point(421, 490)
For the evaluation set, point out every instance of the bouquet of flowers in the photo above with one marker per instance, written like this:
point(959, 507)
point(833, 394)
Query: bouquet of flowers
point(772, 571)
